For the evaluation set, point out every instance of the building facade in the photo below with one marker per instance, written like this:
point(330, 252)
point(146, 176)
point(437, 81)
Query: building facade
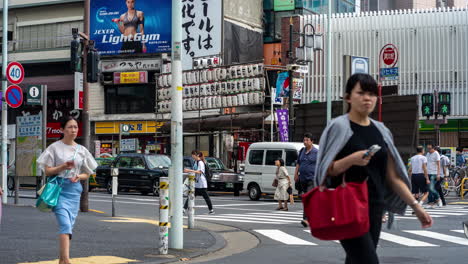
point(430, 55)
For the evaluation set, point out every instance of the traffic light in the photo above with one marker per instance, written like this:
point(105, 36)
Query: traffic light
point(92, 64)
point(444, 103)
point(75, 52)
point(427, 106)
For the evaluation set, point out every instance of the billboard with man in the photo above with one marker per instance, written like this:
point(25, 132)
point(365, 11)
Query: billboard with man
point(131, 26)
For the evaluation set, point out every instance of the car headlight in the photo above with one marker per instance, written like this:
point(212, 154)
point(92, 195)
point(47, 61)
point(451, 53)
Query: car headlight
point(241, 177)
point(215, 177)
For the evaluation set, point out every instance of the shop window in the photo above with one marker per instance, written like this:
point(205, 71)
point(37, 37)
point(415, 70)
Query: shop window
point(291, 158)
point(256, 157)
point(129, 99)
point(273, 155)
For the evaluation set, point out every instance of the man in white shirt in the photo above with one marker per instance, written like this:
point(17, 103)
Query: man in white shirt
point(444, 164)
point(419, 176)
point(433, 169)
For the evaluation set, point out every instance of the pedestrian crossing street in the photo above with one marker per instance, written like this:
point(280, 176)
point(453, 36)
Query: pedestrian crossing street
point(294, 217)
point(401, 238)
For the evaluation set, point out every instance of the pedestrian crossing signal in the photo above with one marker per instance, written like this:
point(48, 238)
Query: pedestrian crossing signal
point(444, 103)
point(427, 104)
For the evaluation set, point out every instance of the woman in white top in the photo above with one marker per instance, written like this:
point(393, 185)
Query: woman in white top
point(70, 162)
point(201, 184)
point(284, 182)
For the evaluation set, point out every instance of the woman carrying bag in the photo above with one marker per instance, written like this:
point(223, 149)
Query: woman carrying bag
point(282, 182)
point(346, 160)
point(71, 163)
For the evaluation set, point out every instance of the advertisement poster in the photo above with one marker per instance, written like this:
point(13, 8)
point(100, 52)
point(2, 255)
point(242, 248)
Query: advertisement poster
point(282, 85)
point(28, 145)
point(283, 124)
point(298, 85)
point(201, 29)
point(131, 26)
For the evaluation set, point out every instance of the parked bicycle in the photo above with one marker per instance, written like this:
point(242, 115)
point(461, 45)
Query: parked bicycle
point(452, 183)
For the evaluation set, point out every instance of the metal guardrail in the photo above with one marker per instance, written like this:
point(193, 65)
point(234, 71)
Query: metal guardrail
point(462, 188)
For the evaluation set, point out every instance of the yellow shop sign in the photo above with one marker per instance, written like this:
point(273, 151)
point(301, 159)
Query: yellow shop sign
point(136, 127)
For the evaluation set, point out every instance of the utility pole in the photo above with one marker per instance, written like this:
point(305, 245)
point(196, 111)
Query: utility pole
point(329, 62)
point(176, 232)
point(84, 201)
point(290, 74)
point(4, 104)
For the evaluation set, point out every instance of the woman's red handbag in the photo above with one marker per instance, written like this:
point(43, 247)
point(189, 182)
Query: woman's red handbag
point(338, 214)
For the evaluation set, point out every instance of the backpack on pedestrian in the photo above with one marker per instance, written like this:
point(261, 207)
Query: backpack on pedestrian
point(208, 173)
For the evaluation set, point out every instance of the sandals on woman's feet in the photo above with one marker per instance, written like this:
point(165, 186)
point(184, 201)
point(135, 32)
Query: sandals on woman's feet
point(279, 208)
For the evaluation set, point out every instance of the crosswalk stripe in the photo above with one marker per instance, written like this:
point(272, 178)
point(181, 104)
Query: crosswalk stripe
point(439, 236)
point(261, 217)
point(404, 241)
point(284, 237)
point(237, 220)
point(278, 216)
point(244, 217)
point(288, 213)
point(461, 231)
point(414, 217)
point(442, 213)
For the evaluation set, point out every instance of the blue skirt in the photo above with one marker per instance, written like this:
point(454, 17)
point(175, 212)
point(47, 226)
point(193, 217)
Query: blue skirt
point(67, 206)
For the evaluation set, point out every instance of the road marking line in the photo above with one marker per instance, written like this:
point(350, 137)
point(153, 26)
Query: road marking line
point(236, 220)
point(439, 236)
point(442, 213)
point(265, 216)
point(97, 211)
point(404, 240)
point(414, 217)
point(88, 260)
point(308, 231)
point(284, 237)
point(242, 217)
point(273, 215)
point(134, 220)
point(461, 231)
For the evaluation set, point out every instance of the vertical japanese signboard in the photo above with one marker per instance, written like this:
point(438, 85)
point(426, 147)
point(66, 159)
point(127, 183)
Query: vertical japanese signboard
point(283, 124)
point(201, 28)
point(28, 145)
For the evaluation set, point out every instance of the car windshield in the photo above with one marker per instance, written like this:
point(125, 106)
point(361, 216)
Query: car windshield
point(215, 164)
point(104, 162)
point(156, 161)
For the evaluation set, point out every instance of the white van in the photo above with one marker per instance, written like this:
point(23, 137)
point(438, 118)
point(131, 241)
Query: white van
point(260, 169)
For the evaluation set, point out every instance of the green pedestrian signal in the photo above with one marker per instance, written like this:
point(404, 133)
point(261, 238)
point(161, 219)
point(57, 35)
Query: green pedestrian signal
point(444, 103)
point(427, 104)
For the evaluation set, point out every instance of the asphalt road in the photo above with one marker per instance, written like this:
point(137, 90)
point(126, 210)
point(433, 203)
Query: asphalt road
point(284, 240)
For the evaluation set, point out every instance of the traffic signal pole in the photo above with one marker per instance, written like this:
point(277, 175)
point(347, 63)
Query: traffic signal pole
point(84, 201)
point(4, 104)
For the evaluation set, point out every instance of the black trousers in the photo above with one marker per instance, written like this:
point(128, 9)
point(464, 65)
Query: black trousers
point(305, 187)
point(203, 192)
point(362, 250)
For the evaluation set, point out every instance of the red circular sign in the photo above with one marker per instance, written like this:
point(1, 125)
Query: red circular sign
point(390, 55)
point(14, 96)
point(15, 72)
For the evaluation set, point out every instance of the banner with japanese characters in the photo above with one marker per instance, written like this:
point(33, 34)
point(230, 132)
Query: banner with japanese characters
point(202, 22)
point(283, 124)
point(131, 26)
